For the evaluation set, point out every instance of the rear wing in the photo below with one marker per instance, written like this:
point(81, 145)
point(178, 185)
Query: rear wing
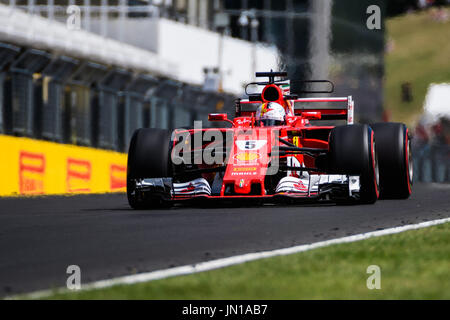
point(329, 113)
point(247, 107)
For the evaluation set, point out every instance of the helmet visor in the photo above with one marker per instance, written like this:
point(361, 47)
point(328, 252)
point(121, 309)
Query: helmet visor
point(270, 123)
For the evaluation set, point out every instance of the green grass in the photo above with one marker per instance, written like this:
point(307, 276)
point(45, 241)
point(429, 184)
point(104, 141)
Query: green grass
point(414, 265)
point(421, 56)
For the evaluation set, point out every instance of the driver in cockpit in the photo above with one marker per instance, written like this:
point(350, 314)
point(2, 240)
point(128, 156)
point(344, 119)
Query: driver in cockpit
point(270, 114)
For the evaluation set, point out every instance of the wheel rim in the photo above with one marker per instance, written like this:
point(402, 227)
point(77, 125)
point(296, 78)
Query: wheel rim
point(375, 160)
point(410, 164)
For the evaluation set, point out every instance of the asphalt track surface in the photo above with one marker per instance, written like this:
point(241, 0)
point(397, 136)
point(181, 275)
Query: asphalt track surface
point(40, 237)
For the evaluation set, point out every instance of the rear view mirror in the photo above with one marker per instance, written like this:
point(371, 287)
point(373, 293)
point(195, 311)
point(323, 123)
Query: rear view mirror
point(217, 117)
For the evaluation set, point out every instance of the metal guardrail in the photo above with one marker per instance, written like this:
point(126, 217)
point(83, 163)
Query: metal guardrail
point(70, 100)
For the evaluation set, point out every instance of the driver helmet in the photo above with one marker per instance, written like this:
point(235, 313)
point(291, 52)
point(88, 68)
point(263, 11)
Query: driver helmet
point(270, 114)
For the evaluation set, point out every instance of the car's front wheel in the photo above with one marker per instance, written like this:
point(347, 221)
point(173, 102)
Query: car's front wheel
point(148, 157)
point(352, 151)
point(394, 154)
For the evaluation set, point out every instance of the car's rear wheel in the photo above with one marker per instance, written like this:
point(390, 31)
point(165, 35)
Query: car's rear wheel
point(352, 151)
point(148, 157)
point(395, 160)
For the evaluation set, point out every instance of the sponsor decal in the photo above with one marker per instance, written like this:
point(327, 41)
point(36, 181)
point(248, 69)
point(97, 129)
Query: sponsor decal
point(242, 121)
point(250, 144)
point(32, 167)
point(117, 177)
point(31, 172)
point(189, 188)
point(78, 175)
point(243, 173)
point(242, 169)
point(247, 156)
point(300, 186)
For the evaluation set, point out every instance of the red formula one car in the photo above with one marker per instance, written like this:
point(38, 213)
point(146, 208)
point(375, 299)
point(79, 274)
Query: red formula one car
point(274, 150)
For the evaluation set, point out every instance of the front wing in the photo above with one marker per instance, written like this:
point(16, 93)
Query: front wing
point(315, 187)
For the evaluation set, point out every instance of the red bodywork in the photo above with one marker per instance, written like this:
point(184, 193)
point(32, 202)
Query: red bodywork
point(246, 165)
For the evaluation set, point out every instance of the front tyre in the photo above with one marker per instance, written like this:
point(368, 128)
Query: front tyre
point(148, 157)
point(394, 154)
point(352, 151)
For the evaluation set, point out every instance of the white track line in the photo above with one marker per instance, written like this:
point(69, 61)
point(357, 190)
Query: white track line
point(225, 262)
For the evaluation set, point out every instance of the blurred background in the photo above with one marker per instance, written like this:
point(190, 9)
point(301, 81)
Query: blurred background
point(90, 72)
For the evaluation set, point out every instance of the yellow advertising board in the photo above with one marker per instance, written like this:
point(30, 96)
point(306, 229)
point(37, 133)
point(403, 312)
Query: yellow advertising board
point(33, 167)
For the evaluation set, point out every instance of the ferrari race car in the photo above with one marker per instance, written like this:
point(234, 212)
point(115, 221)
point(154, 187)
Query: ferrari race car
point(286, 157)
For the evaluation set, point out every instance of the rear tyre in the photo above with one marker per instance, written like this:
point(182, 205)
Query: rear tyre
point(148, 157)
point(395, 160)
point(352, 151)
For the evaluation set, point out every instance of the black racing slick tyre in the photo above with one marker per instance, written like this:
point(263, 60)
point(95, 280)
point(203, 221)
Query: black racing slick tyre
point(395, 160)
point(148, 157)
point(352, 151)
